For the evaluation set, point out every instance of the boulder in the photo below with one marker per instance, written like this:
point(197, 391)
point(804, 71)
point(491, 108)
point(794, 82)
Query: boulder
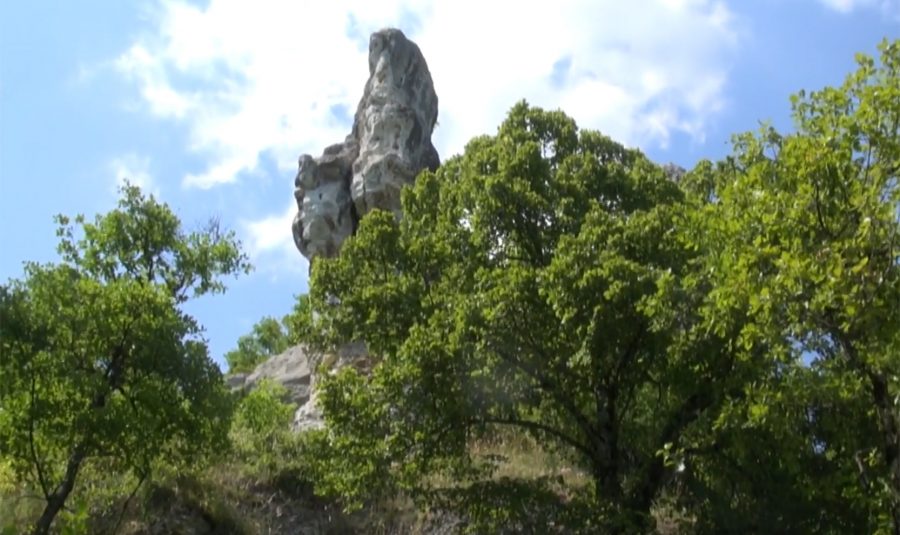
point(290, 369)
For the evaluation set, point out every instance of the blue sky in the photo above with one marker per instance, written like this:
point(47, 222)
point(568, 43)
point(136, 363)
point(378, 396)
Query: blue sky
point(208, 104)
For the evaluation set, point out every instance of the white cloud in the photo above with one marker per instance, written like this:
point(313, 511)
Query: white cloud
point(630, 65)
point(261, 78)
point(844, 6)
point(890, 8)
point(135, 169)
point(270, 243)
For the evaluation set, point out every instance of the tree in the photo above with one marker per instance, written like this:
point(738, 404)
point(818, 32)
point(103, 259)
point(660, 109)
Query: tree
point(538, 282)
point(261, 432)
point(807, 227)
point(270, 337)
point(266, 340)
point(98, 359)
point(299, 323)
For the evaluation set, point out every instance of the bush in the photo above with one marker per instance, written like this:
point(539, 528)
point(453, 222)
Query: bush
point(261, 433)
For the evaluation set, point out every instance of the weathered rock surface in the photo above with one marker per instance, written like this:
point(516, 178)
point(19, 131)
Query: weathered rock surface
point(290, 369)
point(308, 415)
point(389, 145)
point(235, 381)
point(674, 172)
point(293, 370)
point(325, 216)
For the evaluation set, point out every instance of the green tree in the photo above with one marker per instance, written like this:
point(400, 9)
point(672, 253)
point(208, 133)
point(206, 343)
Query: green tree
point(261, 429)
point(299, 322)
point(537, 282)
point(807, 233)
point(99, 361)
point(267, 339)
point(270, 337)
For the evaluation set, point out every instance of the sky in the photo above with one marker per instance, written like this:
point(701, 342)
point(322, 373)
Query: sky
point(208, 104)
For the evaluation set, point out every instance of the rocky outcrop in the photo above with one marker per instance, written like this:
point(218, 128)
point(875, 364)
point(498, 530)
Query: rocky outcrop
point(293, 370)
point(389, 145)
point(236, 381)
point(290, 369)
point(309, 415)
point(674, 172)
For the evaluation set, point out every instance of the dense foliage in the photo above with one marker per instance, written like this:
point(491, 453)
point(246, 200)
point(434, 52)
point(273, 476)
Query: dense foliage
point(725, 340)
point(535, 282)
point(803, 234)
point(261, 429)
point(99, 362)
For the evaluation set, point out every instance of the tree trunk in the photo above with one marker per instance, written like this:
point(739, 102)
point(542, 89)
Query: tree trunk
point(607, 485)
point(890, 431)
point(57, 498)
point(888, 420)
point(609, 501)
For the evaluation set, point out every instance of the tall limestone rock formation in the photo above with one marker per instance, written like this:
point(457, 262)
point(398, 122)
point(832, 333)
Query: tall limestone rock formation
point(389, 145)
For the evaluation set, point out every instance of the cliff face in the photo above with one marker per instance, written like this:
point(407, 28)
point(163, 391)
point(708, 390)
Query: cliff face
point(389, 145)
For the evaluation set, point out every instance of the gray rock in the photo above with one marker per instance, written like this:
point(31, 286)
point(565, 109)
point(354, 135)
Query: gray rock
point(674, 172)
point(235, 381)
point(309, 415)
point(290, 369)
point(293, 370)
point(389, 145)
point(393, 123)
point(325, 216)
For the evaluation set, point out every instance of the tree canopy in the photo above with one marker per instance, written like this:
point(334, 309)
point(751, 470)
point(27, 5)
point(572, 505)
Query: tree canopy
point(536, 282)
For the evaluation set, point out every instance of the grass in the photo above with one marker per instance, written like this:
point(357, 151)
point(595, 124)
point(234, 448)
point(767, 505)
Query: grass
point(520, 456)
point(234, 497)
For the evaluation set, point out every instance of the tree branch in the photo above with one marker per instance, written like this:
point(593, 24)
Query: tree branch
point(35, 459)
point(553, 389)
point(655, 470)
point(134, 491)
